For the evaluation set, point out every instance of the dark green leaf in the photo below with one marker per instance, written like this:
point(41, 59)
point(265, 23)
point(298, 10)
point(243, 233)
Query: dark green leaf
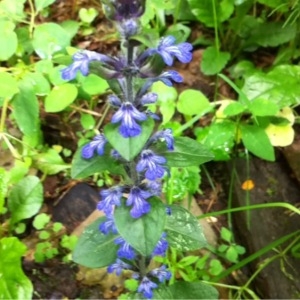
point(94, 249)
point(25, 199)
point(13, 282)
point(142, 233)
point(256, 141)
point(193, 290)
point(82, 168)
point(187, 152)
point(128, 148)
point(183, 230)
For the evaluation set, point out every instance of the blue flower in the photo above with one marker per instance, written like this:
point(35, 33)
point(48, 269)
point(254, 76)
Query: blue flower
point(97, 144)
point(167, 76)
point(128, 28)
point(128, 115)
point(167, 50)
point(137, 198)
point(114, 100)
point(165, 135)
point(110, 197)
point(80, 63)
point(154, 187)
point(161, 273)
point(118, 267)
point(108, 226)
point(149, 98)
point(125, 250)
point(162, 246)
point(146, 286)
point(151, 164)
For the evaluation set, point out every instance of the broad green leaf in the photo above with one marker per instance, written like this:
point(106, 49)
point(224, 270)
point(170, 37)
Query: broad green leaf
point(71, 27)
point(192, 102)
point(49, 38)
point(263, 107)
point(271, 34)
point(280, 86)
point(219, 138)
point(41, 4)
point(166, 100)
point(213, 60)
point(13, 282)
point(8, 85)
point(142, 233)
point(12, 10)
point(128, 148)
point(60, 97)
point(50, 162)
point(94, 85)
point(8, 40)
point(26, 112)
point(187, 152)
point(204, 10)
point(234, 108)
point(25, 199)
point(193, 290)
point(256, 141)
point(184, 232)
point(82, 168)
point(40, 85)
point(94, 249)
point(275, 4)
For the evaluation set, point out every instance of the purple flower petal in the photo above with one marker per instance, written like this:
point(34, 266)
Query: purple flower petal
point(137, 198)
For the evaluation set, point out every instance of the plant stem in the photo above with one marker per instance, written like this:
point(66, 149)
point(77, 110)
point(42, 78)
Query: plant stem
point(32, 18)
point(3, 114)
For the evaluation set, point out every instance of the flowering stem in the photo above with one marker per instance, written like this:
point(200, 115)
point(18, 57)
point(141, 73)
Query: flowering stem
point(142, 266)
point(128, 76)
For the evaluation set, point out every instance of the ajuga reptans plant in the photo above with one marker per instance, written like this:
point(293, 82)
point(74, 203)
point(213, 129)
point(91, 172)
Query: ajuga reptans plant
point(137, 225)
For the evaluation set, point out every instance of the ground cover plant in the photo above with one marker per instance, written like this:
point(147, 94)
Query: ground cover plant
point(129, 125)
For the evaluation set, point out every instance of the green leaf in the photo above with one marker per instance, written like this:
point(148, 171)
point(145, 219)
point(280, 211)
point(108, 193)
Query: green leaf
point(213, 61)
point(263, 107)
point(234, 108)
point(41, 4)
point(13, 282)
point(70, 26)
point(50, 162)
point(204, 10)
point(94, 85)
point(40, 85)
point(128, 148)
point(226, 234)
point(26, 112)
point(193, 290)
point(25, 199)
point(192, 102)
point(166, 100)
point(187, 152)
point(49, 38)
point(140, 233)
point(40, 221)
point(82, 168)
point(87, 15)
point(215, 267)
point(8, 85)
point(8, 40)
point(60, 97)
point(271, 34)
point(184, 232)
point(87, 121)
point(94, 249)
point(12, 10)
point(256, 141)
point(280, 86)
